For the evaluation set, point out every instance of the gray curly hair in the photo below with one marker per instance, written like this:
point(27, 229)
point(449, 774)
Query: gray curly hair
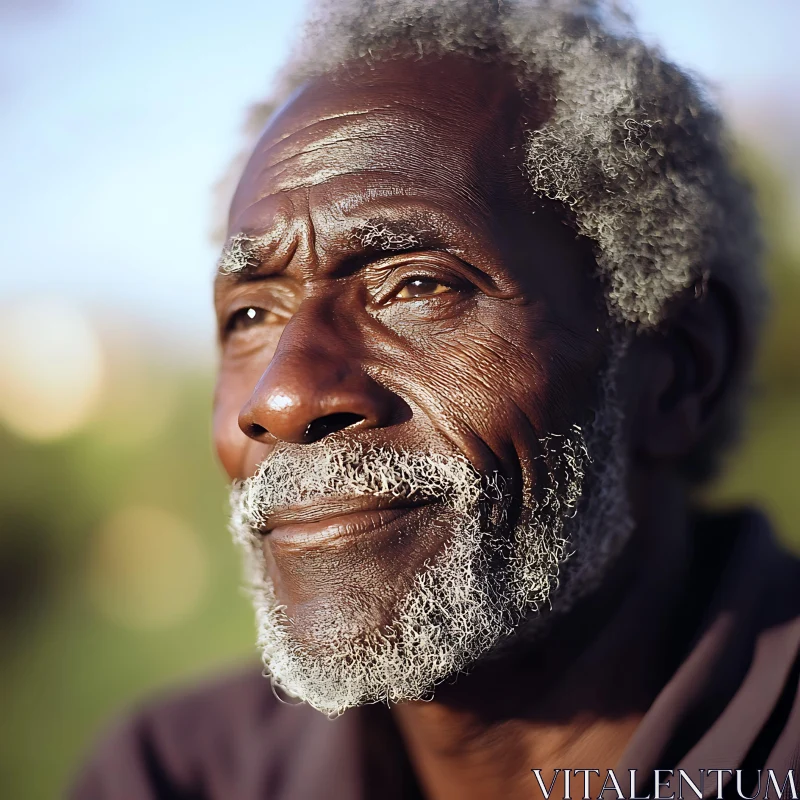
point(634, 149)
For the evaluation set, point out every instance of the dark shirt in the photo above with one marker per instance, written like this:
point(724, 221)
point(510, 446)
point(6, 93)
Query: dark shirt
point(733, 703)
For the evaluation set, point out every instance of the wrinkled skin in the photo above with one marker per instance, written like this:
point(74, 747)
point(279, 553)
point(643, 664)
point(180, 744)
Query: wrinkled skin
point(485, 335)
point(506, 355)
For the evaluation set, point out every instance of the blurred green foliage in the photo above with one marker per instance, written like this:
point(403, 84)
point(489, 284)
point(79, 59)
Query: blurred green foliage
point(66, 665)
point(764, 470)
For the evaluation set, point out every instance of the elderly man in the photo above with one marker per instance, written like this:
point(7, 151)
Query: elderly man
point(486, 310)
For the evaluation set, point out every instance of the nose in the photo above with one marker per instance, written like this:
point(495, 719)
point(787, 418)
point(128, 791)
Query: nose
point(310, 391)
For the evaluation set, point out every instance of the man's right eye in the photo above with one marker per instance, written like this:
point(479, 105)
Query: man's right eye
point(245, 318)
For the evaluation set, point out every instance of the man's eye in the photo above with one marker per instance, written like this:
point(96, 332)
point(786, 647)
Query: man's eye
point(246, 318)
point(421, 287)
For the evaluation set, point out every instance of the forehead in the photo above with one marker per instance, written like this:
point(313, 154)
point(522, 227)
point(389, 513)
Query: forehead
point(447, 132)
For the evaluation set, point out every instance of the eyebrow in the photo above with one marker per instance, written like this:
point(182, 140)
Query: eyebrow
point(376, 235)
point(242, 253)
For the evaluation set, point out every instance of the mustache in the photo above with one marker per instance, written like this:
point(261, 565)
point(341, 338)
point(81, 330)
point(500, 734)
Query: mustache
point(292, 476)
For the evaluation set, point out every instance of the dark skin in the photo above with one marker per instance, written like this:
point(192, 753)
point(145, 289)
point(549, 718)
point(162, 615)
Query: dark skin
point(477, 329)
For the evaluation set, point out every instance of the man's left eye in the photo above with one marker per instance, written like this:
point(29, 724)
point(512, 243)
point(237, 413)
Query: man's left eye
point(421, 287)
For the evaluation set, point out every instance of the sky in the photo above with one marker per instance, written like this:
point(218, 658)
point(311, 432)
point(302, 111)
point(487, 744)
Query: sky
point(119, 117)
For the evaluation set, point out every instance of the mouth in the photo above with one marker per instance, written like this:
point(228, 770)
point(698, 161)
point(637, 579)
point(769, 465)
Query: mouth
point(327, 520)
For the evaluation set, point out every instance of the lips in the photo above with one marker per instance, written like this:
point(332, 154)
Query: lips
point(327, 520)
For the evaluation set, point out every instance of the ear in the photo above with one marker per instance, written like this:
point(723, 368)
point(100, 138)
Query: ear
point(679, 374)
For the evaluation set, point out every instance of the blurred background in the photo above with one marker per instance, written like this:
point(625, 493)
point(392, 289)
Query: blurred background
point(116, 572)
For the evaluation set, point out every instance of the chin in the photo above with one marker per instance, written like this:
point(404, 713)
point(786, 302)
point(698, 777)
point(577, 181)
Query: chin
point(350, 582)
point(340, 650)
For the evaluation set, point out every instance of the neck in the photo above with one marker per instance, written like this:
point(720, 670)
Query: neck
point(561, 703)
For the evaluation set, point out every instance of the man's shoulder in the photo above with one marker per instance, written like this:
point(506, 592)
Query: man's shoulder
point(206, 741)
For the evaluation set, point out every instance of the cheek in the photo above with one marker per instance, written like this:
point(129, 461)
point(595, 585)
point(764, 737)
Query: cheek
point(496, 389)
point(229, 441)
point(238, 454)
point(521, 372)
point(484, 381)
point(498, 401)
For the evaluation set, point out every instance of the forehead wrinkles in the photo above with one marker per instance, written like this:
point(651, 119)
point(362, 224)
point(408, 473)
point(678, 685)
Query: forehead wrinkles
point(337, 144)
point(399, 141)
point(398, 118)
point(322, 167)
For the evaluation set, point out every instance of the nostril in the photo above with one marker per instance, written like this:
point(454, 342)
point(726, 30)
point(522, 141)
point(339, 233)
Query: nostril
point(255, 431)
point(331, 423)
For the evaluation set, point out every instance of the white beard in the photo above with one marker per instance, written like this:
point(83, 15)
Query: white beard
point(459, 607)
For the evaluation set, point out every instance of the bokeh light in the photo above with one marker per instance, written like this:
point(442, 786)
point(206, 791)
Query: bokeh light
point(139, 400)
point(51, 368)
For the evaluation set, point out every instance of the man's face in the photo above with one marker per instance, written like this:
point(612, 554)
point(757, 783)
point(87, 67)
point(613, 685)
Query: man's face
point(390, 288)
